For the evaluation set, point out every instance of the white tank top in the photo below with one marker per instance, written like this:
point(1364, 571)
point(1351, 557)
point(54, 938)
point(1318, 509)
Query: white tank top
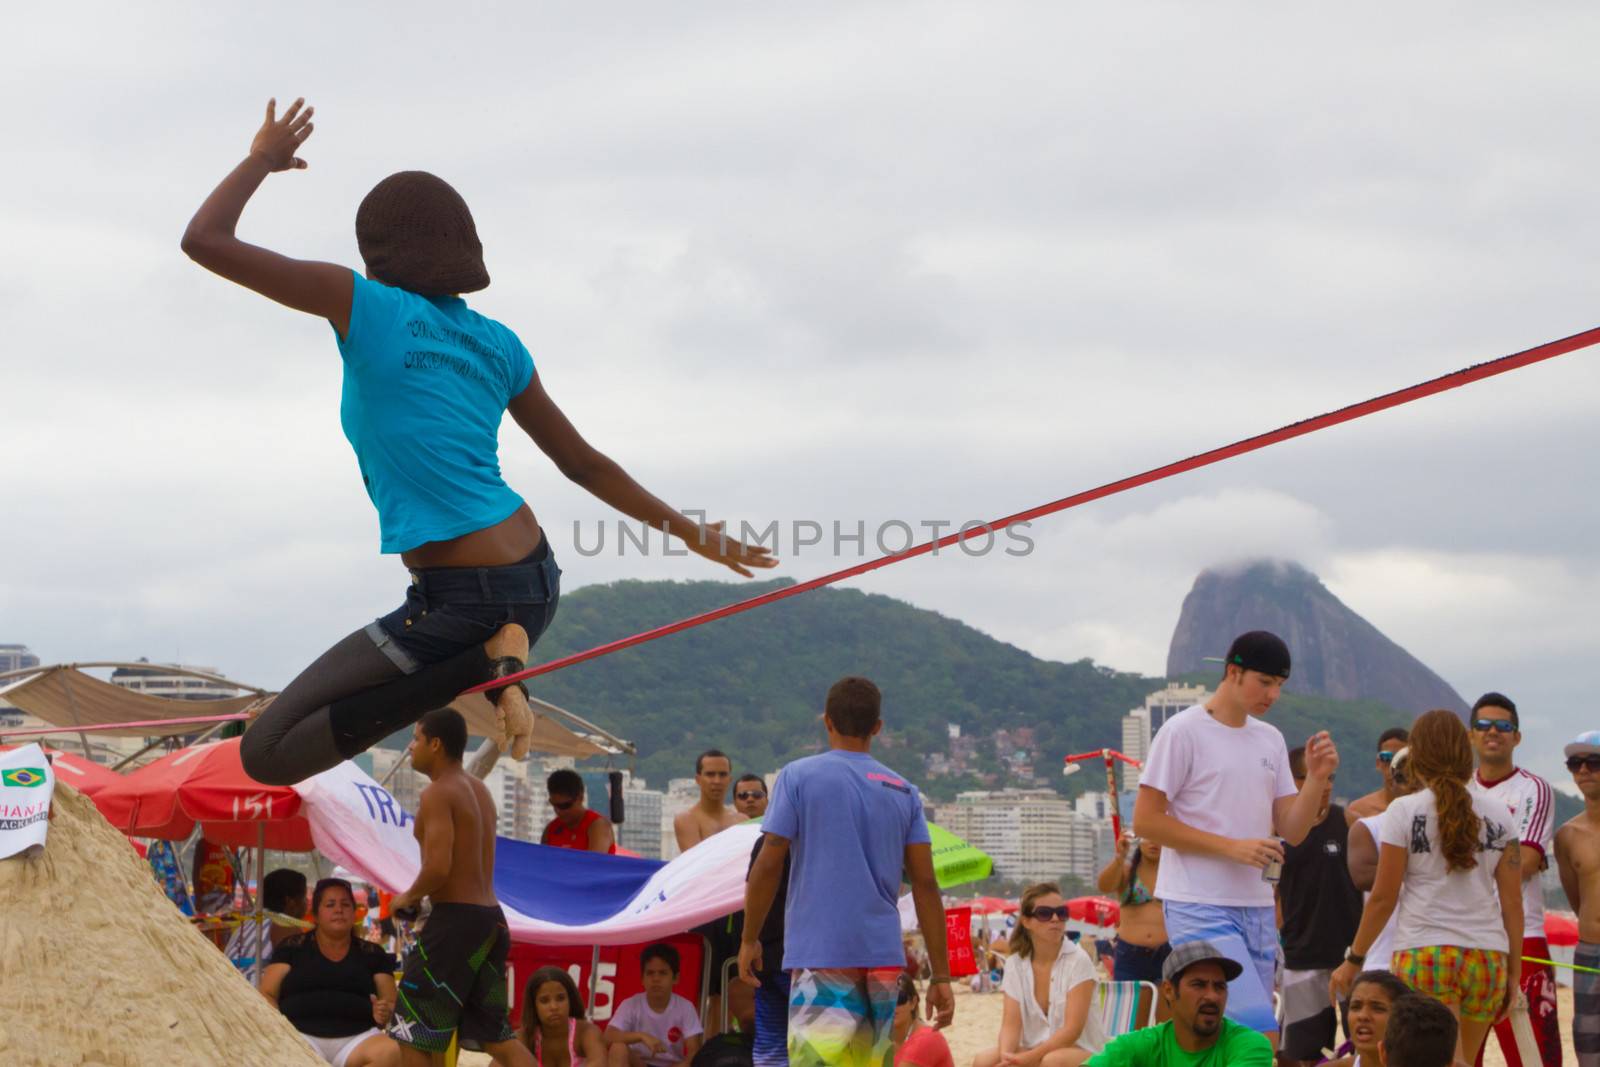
point(1379, 955)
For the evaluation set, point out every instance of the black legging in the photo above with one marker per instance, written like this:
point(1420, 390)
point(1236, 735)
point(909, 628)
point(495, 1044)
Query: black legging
point(349, 699)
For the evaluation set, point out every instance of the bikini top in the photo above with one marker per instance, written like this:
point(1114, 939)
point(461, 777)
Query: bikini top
point(1136, 893)
point(572, 1046)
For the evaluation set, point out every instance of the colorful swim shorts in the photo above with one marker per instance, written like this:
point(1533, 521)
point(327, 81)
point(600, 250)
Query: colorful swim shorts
point(1474, 979)
point(842, 1016)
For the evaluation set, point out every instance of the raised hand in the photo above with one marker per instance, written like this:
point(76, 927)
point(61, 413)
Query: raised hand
point(279, 139)
point(1322, 757)
point(715, 545)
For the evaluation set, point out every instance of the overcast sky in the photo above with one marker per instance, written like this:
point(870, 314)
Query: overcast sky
point(837, 262)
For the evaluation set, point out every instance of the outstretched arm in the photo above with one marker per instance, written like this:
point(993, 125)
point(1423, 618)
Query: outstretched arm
point(586, 465)
point(322, 289)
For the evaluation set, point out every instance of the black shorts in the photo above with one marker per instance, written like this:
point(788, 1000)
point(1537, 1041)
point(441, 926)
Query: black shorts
point(454, 979)
point(723, 936)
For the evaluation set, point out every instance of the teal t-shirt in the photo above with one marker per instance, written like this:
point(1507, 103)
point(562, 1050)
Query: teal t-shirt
point(426, 383)
point(1156, 1046)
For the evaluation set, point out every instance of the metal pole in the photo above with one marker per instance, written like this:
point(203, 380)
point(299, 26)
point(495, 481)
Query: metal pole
point(594, 984)
point(1111, 793)
point(261, 885)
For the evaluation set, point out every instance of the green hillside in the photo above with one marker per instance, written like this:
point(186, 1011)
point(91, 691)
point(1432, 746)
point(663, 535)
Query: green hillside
point(754, 685)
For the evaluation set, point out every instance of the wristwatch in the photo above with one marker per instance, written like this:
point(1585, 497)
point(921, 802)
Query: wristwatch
point(1354, 957)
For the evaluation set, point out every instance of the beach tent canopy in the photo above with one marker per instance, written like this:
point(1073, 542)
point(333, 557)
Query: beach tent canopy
point(66, 695)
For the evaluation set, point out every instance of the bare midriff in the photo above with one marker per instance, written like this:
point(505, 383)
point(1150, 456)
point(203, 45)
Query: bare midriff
point(1143, 925)
point(509, 541)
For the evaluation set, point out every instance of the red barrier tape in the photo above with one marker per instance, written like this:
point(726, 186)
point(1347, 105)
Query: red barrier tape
point(1444, 383)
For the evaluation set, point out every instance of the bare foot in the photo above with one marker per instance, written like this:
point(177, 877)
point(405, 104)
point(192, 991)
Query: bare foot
point(513, 718)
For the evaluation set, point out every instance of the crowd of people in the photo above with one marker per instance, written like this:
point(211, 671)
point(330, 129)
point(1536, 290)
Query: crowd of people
point(1276, 925)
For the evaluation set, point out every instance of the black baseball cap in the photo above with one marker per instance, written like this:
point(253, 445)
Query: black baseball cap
point(1261, 651)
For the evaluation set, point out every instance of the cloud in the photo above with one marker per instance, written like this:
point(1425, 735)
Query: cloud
point(906, 261)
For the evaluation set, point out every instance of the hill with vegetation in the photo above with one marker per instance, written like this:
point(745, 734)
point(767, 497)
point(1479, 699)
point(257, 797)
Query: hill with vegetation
point(754, 687)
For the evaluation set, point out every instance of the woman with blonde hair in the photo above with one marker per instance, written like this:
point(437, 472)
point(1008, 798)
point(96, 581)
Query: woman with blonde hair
point(1444, 861)
point(1049, 1018)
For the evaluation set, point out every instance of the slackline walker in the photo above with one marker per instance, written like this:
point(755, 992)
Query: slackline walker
point(1443, 383)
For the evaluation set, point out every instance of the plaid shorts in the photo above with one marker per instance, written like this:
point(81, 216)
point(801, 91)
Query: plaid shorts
point(1472, 979)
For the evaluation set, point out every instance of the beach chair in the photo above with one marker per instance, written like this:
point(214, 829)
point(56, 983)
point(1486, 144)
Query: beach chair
point(1119, 1006)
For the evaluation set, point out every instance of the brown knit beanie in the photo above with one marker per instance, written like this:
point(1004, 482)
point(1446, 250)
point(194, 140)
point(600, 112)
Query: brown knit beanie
point(415, 232)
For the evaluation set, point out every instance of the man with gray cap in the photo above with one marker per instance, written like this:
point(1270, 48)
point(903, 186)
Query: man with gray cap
point(1194, 983)
point(1217, 794)
point(1578, 860)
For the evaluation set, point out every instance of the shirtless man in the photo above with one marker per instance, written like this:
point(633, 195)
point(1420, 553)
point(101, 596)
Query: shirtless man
point(713, 772)
point(1578, 860)
point(1376, 802)
point(455, 978)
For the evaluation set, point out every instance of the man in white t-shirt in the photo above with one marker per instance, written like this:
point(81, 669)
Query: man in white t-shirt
point(1496, 732)
point(1214, 791)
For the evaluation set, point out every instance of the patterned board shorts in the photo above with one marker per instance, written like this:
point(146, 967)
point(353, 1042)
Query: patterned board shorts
point(454, 981)
point(1472, 979)
point(1586, 1005)
point(842, 1016)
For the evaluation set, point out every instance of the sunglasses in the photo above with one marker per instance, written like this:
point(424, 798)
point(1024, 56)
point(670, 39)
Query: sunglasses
point(1499, 726)
point(749, 796)
point(1045, 915)
point(561, 805)
point(1386, 756)
point(1590, 763)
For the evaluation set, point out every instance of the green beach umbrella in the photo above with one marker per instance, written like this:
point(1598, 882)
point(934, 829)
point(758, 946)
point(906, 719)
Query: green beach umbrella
point(954, 861)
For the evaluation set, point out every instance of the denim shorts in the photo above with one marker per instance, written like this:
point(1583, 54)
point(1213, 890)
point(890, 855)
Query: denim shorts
point(450, 609)
point(1136, 963)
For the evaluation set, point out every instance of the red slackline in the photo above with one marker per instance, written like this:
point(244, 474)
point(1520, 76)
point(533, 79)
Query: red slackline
point(1444, 383)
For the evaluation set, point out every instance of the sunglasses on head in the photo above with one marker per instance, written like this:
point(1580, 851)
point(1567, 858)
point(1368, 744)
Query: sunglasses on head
point(1499, 726)
point(1045, 915)
point(749, 795)
point(1590, 763)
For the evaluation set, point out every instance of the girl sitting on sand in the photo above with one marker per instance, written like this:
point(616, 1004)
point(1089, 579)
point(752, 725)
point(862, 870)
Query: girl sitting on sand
point(553, 1026)
point(1371, 997)
point(427, 382)
point(337, 989)
point(1049, 983)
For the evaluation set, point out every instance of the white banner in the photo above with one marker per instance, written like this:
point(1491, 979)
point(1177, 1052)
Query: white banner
point(27, 782)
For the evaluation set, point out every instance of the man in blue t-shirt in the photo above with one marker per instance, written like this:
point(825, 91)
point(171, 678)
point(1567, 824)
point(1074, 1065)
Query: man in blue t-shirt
point(852, 828)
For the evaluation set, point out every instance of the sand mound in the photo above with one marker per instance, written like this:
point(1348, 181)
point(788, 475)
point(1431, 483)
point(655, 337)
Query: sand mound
point(98, 969)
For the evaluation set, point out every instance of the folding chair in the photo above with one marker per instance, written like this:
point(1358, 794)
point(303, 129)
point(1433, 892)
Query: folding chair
point(1119, 1006)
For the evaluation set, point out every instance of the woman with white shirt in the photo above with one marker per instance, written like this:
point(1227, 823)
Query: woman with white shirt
point(1449, 861)
point(1049, 985)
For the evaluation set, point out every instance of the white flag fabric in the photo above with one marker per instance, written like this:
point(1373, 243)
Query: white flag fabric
point(27, 784)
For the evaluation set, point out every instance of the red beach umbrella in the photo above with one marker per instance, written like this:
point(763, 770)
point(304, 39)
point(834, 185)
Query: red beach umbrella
point(993, 906)
point(205, 784)
point(1097, 911)
point(1560, 928)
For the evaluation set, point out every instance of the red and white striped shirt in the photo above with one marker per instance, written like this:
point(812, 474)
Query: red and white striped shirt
point(1533, 806)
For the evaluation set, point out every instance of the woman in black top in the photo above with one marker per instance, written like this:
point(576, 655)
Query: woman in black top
point(337, 989)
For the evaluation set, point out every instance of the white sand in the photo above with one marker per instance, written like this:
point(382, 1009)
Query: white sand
point(98, 969)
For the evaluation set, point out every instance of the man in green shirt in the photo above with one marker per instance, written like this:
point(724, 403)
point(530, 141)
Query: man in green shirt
point(1194, 981)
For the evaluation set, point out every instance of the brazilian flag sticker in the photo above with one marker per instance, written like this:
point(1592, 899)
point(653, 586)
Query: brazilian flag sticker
point(23, 776)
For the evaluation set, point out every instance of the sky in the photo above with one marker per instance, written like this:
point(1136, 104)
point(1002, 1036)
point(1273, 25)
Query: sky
point(855, 263)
